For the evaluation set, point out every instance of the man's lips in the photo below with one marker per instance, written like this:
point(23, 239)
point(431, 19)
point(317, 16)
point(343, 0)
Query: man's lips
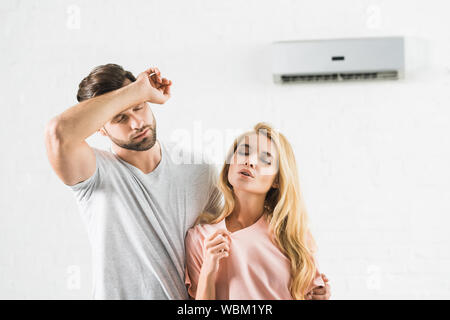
point(142, 134)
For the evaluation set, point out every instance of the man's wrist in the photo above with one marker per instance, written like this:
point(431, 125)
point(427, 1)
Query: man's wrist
point(139, 92)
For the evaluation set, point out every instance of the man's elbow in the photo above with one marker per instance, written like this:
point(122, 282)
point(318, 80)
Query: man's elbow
point(54, 132)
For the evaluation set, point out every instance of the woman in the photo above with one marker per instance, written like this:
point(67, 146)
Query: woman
point(259, 246)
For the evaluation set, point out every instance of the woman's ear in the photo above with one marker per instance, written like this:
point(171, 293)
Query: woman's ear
point(275, 183)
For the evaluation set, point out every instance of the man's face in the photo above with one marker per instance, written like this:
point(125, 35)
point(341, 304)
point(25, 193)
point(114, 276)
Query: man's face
point(132, 129)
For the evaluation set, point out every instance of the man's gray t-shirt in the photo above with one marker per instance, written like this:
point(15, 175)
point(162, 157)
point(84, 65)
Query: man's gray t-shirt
point(137, 223)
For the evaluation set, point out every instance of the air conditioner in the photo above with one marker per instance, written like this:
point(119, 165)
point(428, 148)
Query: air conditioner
point(338, 60)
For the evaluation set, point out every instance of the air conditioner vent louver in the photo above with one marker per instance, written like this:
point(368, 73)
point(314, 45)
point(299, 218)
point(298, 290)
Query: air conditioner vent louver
point(339, 76)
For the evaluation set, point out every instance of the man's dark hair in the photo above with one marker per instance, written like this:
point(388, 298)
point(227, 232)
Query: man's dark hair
point(103, 79)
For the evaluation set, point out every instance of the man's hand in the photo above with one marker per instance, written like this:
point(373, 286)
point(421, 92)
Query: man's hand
point(154, 88)
point(320, 293)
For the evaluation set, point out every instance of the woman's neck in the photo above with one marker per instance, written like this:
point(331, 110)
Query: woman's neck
point(247, 210)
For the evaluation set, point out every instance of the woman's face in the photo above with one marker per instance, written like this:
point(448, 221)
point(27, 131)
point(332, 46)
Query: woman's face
point(254, 165)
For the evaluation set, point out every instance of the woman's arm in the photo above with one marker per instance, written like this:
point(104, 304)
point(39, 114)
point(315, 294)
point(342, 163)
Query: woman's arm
point(206, 288)
point(217, 247)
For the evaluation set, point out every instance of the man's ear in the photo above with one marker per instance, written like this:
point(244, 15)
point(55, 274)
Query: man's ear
point(102, 131)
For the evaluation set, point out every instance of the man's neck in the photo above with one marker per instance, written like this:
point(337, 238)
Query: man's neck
point(146, 161)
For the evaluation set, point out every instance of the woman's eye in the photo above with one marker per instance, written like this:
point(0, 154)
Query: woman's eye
point(243, 153)
point(265, 161)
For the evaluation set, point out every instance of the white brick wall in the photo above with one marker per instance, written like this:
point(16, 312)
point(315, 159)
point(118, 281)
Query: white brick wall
point(373, 157)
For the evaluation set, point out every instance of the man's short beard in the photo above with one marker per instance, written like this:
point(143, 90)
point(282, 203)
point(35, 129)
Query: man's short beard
point(144, 144)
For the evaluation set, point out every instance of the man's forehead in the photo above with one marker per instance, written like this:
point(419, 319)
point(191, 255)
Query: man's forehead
point(126, 110)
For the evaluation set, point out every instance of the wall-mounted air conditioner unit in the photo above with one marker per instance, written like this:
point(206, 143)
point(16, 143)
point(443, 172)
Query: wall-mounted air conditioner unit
point(338, 60)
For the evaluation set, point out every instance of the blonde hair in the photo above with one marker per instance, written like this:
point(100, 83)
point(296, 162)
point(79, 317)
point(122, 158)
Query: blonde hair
point(287, 216)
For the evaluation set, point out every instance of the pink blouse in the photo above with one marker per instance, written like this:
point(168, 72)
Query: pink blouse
point(256, 269)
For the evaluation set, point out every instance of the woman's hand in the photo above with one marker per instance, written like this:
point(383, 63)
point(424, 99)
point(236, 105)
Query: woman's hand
point(217, 247)
point(154, 89)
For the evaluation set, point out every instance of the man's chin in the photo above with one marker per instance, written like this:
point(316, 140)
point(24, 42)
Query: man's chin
point(143, 145)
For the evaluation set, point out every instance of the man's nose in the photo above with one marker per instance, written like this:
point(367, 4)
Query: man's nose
point(136, 122)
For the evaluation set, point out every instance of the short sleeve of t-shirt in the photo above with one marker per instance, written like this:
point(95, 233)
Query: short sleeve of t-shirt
point(84, 189)
point(194, 260)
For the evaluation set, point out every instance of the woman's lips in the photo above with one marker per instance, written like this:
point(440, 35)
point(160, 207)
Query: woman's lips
point(246, 173)
point(243, 175)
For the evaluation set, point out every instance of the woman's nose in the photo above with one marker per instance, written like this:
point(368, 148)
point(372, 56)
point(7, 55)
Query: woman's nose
point(251, 165)
point(250, 161)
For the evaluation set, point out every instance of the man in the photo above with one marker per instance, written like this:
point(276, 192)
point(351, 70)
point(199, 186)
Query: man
point(137, 203)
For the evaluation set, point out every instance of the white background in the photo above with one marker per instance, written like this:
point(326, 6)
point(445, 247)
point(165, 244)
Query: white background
point(373, 157)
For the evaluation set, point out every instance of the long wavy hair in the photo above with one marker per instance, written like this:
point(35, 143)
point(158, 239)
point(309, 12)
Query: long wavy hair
point(284, 210)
